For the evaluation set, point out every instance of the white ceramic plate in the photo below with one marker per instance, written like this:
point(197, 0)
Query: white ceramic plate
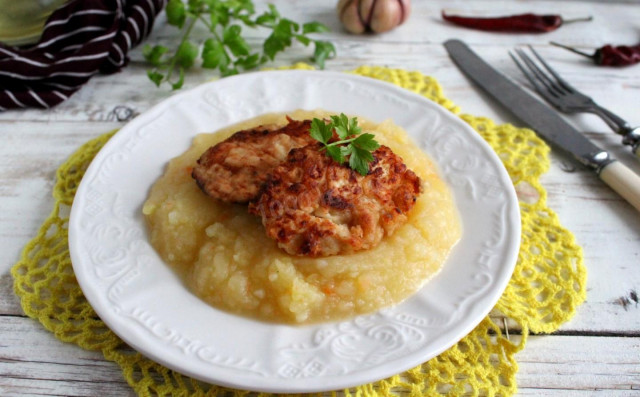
point(143, 301)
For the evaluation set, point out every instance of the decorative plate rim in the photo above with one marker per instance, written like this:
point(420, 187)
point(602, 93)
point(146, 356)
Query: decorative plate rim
point(112, 259)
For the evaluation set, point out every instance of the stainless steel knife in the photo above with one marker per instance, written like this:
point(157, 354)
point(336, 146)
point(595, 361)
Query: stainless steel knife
point(546, 122)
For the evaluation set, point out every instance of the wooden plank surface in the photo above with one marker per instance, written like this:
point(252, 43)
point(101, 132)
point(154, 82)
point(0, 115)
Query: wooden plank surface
point(31, 359)
point(596, 353)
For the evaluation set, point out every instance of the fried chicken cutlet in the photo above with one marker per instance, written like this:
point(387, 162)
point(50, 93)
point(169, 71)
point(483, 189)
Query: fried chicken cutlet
point(313, 206)
point(235, 169)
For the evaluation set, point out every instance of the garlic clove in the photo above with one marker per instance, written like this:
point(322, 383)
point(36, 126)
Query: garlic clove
point(406, 10)
point(378, 16)
point(349, 15)
point(386, 15)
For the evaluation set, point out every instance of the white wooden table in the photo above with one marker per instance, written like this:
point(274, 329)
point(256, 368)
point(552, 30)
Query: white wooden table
point(597, 353)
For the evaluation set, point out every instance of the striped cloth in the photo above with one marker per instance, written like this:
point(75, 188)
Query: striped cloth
point(80, 39)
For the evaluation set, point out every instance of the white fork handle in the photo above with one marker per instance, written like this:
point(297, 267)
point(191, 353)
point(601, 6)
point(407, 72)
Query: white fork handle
point(624, 181)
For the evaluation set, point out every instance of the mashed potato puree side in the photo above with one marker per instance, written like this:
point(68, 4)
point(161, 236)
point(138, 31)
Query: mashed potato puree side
point(224, 256)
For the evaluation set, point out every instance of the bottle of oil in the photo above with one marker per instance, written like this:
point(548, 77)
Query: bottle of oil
point(22, 21)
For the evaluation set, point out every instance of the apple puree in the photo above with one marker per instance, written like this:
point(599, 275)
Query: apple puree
point(224, 256)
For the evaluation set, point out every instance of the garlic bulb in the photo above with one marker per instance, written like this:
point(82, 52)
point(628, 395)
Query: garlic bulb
point(359, 16)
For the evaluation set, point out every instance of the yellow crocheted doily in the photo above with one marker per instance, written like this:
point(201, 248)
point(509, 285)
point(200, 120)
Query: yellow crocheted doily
point(547, 285)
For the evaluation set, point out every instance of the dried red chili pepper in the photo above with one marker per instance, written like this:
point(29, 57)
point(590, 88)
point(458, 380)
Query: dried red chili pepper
point(609, 55)
point(520, 23)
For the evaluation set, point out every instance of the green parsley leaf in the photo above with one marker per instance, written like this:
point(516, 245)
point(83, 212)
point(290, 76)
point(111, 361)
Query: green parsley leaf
point(187, 54)
point(280, 38)
point(274, 11)
point(266, 19)
point(320, 131)
point(176, 13)
point(269, 18)
point(335, 153)
point(352, 144)
point(273, 45)
point(353, 126)
point(346, 150)
point(248, 62)
point(314, 27)
point(155, 76)
point(366, 142)
point(194, 5)
point(304, 40)
point(360, 159)
point(241, 6)
point(213, 54)
point(229, 71)
point(154, 54)
point(341, 125)
point(323, 51)
point(234, 41)
point(286, 28)
point(223, 15)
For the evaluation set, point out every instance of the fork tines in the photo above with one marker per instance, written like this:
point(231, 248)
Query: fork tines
point(548, 83)
point(555, 90)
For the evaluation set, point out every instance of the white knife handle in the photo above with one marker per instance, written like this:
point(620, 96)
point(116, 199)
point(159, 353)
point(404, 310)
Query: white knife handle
point(624, 181)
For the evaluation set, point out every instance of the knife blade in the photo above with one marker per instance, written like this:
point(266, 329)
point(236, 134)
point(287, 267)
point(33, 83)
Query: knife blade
point(545, 122)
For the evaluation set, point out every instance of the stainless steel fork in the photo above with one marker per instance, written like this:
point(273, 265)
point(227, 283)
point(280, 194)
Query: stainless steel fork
point(559, 93)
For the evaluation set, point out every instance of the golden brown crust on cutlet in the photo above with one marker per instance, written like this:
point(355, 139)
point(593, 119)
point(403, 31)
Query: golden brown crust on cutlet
point(314, 206)
point(236, 169)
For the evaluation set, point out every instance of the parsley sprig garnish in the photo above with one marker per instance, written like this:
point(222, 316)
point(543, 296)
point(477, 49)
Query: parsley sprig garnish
point(226, 49)
point(352, 145)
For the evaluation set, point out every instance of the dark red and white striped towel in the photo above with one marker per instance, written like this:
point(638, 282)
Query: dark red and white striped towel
point(80, 39)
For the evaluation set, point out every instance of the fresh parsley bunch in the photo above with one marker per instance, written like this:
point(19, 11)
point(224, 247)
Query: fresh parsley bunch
point(353, 144)
point(226, 50)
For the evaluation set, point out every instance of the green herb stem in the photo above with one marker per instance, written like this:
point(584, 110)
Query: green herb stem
point(336, 143)
point(227, 51)
point(208, 24)
point(185, 36)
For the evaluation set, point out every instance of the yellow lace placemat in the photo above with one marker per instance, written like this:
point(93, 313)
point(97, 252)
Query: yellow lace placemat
point(547, 285)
